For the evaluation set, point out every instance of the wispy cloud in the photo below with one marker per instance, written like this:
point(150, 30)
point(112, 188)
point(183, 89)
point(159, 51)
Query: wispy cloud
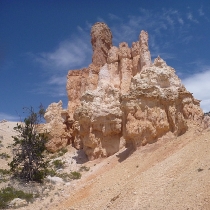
point(198, 84)
point(69, 54)
point(57, 80)
point(180, 20)
point(114, 17)
point(50, 90)
point(159, 24)
point(191, 18)
point(187, 39)
point(54, 86)
point(8, 117)
point(73, 53)
point(200, 11)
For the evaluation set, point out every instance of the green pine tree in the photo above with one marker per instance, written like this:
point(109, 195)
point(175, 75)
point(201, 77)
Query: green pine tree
point(28, 161)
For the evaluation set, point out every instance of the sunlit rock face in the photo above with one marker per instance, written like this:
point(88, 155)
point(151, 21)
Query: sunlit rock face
point(55, 127)
point(145, 58)
point(123, 98)
point(156, 104)
point(100, 118)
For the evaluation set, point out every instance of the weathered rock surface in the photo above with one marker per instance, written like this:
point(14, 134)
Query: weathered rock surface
point(123, 98)
point(135, 52)
point(101, 39)
point(206, 121)
point(156, 104)
point(55, 127)
point(125, 66)
point(145, 58)
point(17, 203)
point(100, 119)
point(113, 66)
point(78, 81)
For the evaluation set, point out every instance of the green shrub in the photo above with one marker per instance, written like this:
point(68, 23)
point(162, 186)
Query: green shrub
point(53, 156)
point(4, 171)
point(50, 172)
point(84, 168)
point(58, 164)
point(68, 177)
point(59, 153)
point(4, 175)
point(75, 175)
point(4, 155)
point(9, 193)
point(65, 176)
point(62, 152)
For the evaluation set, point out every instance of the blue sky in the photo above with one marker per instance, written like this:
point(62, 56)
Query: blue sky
point(41, 40)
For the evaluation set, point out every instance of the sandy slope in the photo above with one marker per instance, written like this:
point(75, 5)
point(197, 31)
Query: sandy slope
point(6, 131)
point(170, 174)
point(173, 173)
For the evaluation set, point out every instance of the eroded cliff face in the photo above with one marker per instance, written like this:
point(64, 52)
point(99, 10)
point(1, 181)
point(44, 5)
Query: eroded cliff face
point(157, 103)
point(123, 98)
point(100, 118)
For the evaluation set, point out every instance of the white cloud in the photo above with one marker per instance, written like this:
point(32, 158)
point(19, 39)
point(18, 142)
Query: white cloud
point(114, 17)
point(158, 23)
point(191, 18)
point(76, 52)
point(187, 39)
point(53, 90)
point(166, 56)
point(55, 86)
point(69, 54)
point(57, 80)
point(4, 116)
point(200, 11)
point(99, 19)
point(73, 53)
point(199, 85)
point(169, 19)
point(180, 20)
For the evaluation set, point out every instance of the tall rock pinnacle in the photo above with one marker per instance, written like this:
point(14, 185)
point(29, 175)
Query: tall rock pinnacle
point(101, 39)
point(145, 58)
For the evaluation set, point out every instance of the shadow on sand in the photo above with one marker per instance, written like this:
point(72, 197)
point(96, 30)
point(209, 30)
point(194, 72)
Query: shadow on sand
point(81, 157)
point(125, 154)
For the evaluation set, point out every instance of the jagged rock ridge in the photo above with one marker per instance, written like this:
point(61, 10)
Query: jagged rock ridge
point(123, 98)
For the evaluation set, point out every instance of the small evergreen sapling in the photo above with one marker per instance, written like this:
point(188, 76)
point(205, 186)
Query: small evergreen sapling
point(28, 161)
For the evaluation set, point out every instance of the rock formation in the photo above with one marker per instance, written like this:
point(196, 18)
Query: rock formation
point(78, 81)
point(145, 58)
point(101, 40)
point(206, 120)
point(156, 104)
point(55, 127)
point(122, 98)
